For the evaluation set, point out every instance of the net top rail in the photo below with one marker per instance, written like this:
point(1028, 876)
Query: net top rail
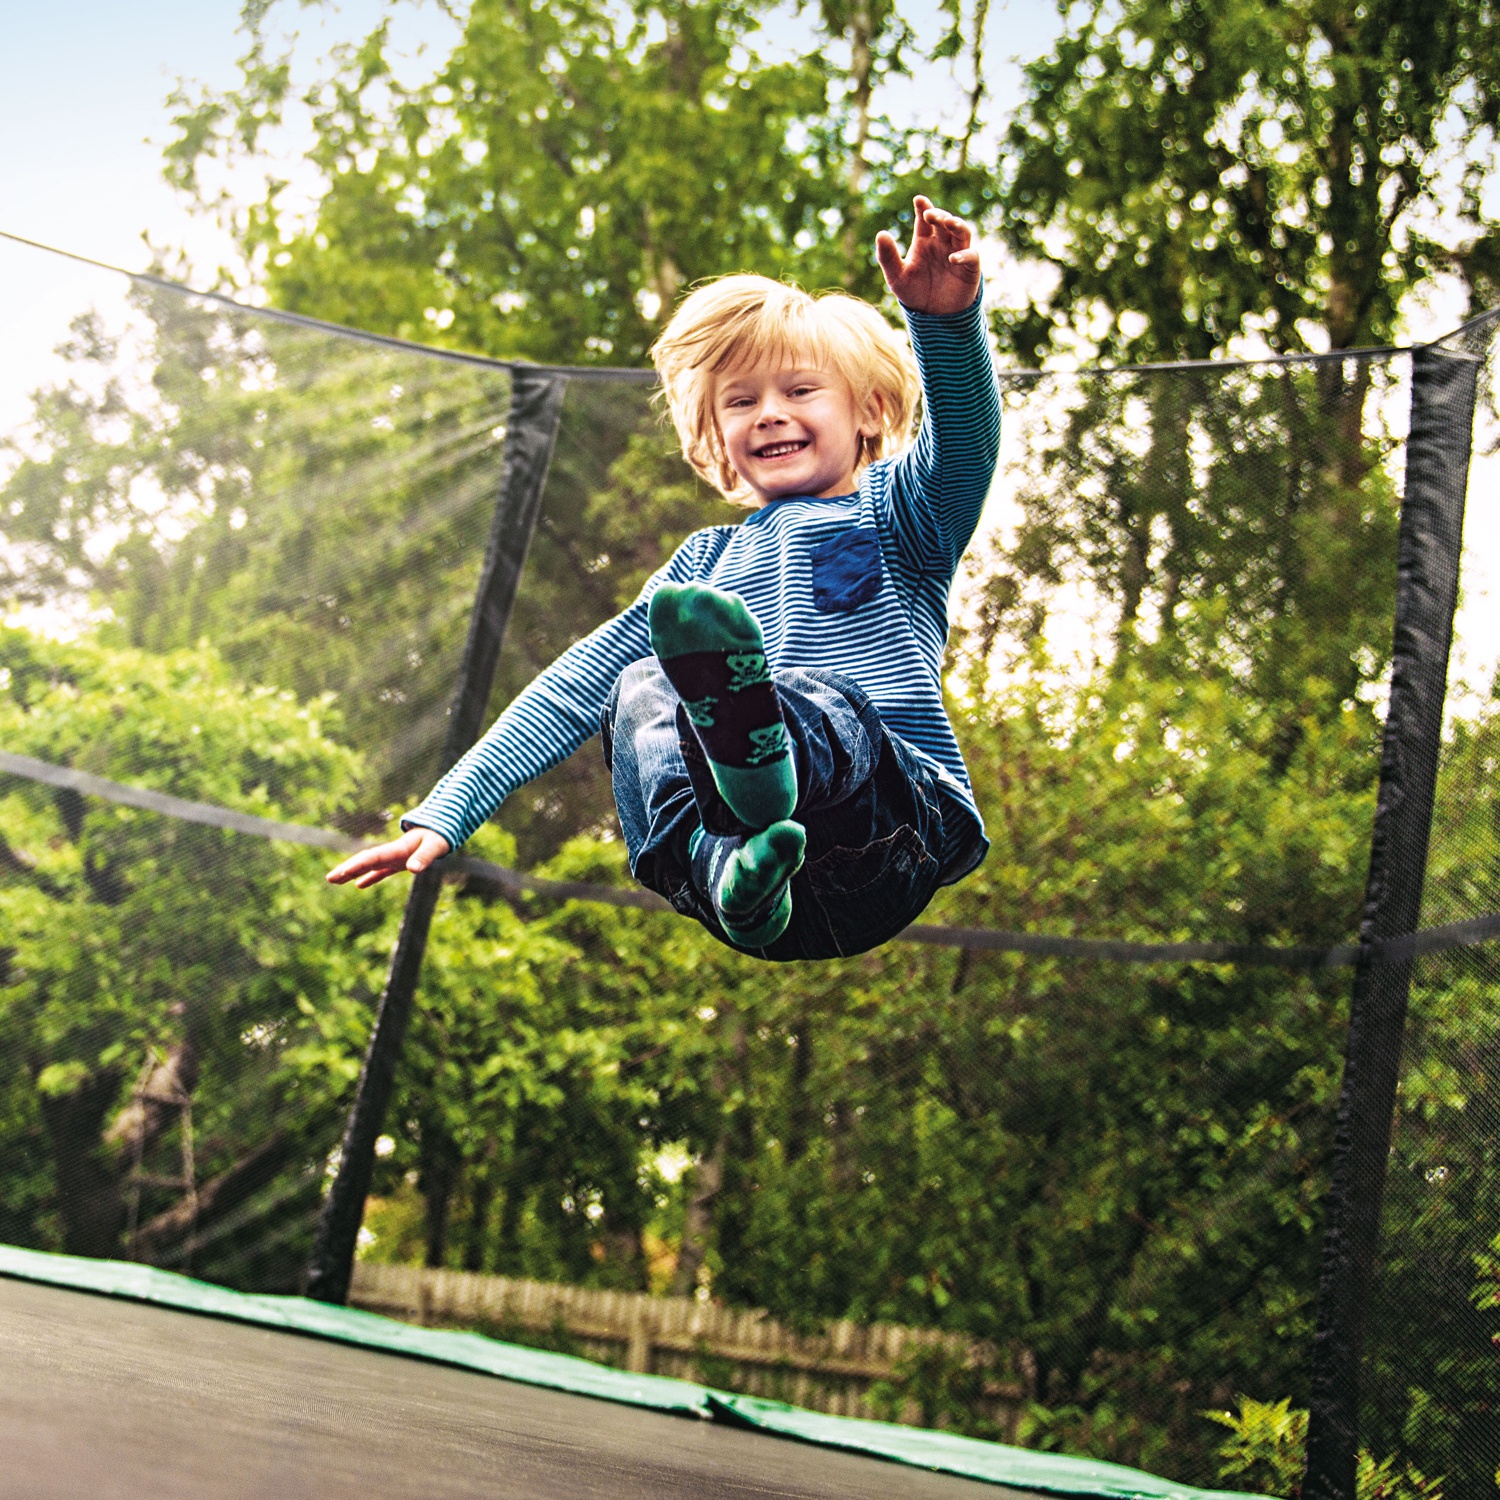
point(627, 375)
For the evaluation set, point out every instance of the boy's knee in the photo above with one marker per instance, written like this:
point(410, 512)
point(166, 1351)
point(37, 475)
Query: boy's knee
point(641, 682)
point(640, 692)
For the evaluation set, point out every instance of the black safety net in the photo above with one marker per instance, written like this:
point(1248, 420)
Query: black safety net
point(270, 536)
point(1082, 1119)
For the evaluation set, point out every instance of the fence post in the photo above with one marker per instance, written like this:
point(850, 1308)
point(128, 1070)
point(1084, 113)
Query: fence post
point(1437, 465)
point(531, 431)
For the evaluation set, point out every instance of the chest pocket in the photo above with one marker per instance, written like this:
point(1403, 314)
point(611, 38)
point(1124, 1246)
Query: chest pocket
point(846, 571)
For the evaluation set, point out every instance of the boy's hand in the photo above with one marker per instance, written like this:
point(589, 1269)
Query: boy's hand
point(940, 273)
point(413, 851)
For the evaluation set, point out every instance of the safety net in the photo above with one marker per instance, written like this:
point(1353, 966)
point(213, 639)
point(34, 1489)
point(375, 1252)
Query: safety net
point(1083, 1117)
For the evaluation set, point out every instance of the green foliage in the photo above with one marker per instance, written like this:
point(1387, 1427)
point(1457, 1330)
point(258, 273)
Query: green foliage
point(571, 167)
point(1266, 1446)
point(1392, 1479)
point(1196, 172)
point(281, 471)
point(143, 951)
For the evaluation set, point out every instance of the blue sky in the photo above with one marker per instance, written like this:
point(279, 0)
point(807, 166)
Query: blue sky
point(83, 85)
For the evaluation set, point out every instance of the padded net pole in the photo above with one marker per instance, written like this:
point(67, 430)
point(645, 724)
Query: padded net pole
point(531, 432)
point(1437, 465)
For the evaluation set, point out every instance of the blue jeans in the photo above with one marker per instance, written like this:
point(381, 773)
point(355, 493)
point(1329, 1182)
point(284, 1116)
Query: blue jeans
point(872, 811)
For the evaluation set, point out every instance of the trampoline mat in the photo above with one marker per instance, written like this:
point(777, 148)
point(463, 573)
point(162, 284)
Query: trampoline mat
point(122, 1401)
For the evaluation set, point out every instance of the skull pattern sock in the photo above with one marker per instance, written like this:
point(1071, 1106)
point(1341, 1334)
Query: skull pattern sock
point(749, 879)
point(712, 651)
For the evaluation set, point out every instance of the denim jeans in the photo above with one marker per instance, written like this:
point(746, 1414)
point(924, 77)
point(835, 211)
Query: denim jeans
point(871, 809)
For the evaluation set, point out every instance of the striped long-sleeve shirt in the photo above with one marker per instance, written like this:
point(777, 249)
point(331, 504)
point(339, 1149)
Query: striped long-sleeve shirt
point(856, 584)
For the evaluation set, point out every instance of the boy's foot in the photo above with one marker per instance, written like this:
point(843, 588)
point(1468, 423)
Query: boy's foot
point(753, 897)
point(712, 651)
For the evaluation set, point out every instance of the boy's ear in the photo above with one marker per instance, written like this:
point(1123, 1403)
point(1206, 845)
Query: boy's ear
point(872, 418)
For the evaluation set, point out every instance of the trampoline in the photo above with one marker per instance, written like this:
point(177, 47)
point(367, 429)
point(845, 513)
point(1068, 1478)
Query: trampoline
point(119, 1400)
point(122, 1381)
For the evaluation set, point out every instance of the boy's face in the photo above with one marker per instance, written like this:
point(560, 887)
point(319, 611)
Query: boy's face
point(790, 432)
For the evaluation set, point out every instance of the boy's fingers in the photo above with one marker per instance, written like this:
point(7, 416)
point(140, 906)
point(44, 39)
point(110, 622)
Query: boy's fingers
point(888, 253)
point(946, 225)
point(375, 863)
point(359, 873)
point(949, 226)
point(920, 229)
point(350, 867)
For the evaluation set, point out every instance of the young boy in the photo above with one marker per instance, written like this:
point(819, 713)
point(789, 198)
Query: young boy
point(771, 705)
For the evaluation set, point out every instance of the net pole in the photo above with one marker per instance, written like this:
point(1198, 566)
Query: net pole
point(530, 435)
point(1444, 383)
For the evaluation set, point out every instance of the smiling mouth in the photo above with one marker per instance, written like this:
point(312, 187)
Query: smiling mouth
point(781, 450)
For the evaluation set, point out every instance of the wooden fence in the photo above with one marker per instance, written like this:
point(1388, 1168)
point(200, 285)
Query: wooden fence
point(749, 1351)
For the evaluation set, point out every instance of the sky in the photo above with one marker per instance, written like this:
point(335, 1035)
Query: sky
point(83, 113)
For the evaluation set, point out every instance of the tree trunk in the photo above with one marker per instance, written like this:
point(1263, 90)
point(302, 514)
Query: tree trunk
point(976, 94)
point(216, 1197)
point(508, 1242)
point(860, 30)
point(800, 1112)
point(438, 1169)
point(89, 1200)
point(697, 1225)
point(157, 1102)
point(481, 1200)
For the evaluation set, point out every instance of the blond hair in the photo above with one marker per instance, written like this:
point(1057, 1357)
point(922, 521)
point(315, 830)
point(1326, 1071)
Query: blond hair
point(741, 321)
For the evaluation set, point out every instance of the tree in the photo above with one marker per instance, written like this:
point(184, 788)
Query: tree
point(156, 975)
point(1199, 175)
point(1196, 172)
point(1196, 175)
point(263, 492)
point(571, 168)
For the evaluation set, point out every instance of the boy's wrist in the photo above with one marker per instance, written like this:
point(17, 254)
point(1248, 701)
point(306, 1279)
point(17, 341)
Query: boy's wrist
point(425, 824)
point(962, 312)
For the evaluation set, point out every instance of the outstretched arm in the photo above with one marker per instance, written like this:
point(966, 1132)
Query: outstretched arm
point(548, 720)
point(939, 486)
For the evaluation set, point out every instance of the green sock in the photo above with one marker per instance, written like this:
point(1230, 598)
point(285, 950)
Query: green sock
point(712, 651)
point(753, 896)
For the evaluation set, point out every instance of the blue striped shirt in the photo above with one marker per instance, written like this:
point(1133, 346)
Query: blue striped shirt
point(856, 584)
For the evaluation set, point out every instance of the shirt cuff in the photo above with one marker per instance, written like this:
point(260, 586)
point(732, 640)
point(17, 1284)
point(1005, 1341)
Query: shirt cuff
point(916, 314)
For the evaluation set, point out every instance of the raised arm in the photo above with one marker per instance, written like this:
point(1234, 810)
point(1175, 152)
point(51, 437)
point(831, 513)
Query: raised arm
point(939, 485)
